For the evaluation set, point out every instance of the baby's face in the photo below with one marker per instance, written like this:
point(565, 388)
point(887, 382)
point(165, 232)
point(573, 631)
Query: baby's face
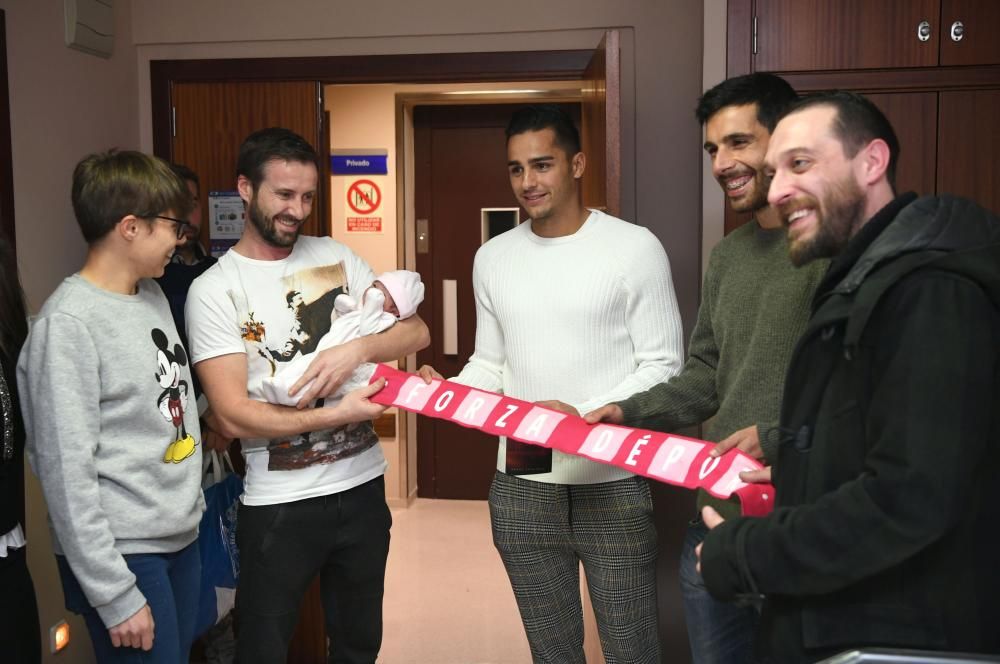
point(390, 305)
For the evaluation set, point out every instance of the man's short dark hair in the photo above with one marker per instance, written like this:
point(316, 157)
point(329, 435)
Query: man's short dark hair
point(858, 122)
point(109, 186)
point(771, 93)
point(187, 174)
point(269, 144)
point(546, 116)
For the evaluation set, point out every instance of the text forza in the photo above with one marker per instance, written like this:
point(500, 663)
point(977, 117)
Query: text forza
point(664, 457)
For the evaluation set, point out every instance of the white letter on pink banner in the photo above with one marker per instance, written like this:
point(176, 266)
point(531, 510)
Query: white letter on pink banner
point(604, 441)
point(538, 425)
point(476, 407)
point(415, 393)
point(731, 481)
point(674, 458)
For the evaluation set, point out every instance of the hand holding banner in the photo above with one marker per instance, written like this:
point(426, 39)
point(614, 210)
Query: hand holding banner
point(663, 457)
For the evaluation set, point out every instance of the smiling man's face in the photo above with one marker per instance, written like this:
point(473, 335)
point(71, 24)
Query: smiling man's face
point(736, 143)
point(814, 185)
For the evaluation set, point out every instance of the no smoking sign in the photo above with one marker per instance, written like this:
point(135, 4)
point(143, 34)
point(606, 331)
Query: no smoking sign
point(364, 198)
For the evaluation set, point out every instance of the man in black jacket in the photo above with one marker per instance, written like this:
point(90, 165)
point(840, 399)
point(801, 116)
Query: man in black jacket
point(885, 532)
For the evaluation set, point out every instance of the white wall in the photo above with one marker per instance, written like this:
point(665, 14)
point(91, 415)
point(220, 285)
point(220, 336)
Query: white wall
point(64, 104)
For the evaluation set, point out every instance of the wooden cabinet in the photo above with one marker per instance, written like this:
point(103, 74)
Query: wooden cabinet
point(942, 95)
point(980, 32)
point(820, 35)
point(812, 35)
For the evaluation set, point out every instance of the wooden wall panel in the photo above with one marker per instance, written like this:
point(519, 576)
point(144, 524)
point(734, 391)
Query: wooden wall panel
point(968, 144)
point(914, 117)
point(212, 119)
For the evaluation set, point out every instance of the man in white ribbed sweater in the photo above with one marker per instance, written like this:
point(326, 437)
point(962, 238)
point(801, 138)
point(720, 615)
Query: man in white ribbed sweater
point(575, 309)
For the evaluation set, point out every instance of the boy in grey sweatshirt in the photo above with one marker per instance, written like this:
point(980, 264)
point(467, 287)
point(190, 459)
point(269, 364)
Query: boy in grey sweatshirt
point(112, 427)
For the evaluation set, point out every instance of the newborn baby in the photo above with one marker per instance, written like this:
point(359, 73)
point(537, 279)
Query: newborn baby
point(393, 296)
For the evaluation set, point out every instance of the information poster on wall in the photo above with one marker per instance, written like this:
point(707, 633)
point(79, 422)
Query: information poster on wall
point(226, 217)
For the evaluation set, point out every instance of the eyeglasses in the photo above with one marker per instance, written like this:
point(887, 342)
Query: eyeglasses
point(181, 224)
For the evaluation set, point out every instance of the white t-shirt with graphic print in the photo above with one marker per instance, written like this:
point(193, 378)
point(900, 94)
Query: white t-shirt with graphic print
point(273, 311)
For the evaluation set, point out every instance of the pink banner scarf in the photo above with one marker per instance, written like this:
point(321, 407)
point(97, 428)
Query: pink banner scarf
point(663, 457)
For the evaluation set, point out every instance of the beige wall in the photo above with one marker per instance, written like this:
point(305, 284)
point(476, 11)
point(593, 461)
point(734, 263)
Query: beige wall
point(364, 116)
point(64, 104)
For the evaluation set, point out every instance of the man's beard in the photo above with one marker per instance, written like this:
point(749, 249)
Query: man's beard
point(267, 226)
point(837, 219)
point(757, 200)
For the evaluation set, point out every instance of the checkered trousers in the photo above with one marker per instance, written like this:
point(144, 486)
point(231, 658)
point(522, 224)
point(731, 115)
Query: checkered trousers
point(543, 531)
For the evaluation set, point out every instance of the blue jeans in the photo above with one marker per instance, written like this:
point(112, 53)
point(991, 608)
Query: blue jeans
point(170, 583)
point(719, 632)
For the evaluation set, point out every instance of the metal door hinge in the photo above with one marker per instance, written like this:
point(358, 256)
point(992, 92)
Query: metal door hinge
point(754, 41)
point(173, 121)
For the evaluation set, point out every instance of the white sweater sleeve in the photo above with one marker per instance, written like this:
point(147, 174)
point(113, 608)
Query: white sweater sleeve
point(485, 368)
point(652, 320)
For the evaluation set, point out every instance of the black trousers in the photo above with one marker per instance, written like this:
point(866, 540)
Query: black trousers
point(343, 537)
point(20, 636)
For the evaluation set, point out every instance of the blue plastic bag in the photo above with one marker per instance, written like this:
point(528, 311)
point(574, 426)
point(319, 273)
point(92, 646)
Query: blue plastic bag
point(220, 560)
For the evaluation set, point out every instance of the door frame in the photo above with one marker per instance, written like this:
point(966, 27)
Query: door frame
point(445, 68)
point(359, 70)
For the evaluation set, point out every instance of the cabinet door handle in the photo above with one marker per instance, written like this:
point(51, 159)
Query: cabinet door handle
point(923, 31)
point(957, 31)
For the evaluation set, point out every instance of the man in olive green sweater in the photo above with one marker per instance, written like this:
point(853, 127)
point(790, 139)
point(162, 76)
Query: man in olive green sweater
point(754, 306)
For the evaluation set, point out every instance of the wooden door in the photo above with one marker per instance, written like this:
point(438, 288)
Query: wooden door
point(212, 119)
point(980, 38)
point(460, 168)
point(812, 35)
point(460, 171)
point(968, 145)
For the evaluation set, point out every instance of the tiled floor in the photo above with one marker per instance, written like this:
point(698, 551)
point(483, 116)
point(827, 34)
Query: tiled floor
point(447, 598)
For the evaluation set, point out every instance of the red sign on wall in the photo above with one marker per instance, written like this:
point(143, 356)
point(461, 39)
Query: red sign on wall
point(364, 197)
point(364, 224)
